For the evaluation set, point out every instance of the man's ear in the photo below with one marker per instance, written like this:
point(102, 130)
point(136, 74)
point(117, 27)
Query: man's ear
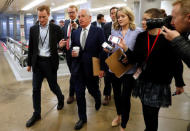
point(188, 17)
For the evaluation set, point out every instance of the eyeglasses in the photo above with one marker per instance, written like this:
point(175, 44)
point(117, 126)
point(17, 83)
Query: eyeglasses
point(71, 12)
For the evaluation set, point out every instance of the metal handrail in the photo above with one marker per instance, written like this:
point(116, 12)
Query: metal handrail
point(18, 50)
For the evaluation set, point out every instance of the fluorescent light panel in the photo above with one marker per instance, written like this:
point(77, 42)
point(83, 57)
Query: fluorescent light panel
point(32, 4)
point(67, 5)
point(107, 7)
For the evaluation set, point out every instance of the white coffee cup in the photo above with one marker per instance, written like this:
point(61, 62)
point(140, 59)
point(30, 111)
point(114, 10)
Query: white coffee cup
point(76, 49)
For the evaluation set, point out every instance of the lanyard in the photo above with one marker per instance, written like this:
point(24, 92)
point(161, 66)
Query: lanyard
point(150, 50)
point(44, 38)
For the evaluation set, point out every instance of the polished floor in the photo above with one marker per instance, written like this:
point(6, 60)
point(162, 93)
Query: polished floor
point(16, 108)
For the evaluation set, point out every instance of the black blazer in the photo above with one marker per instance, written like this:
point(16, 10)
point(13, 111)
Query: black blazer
point(92, 48)
point(107, 31)
point(65, 27)
point(95, 24)
point(64, 32)
point(55, 35)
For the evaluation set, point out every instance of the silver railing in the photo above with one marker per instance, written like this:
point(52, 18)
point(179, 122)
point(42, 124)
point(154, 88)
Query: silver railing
point(18, 50)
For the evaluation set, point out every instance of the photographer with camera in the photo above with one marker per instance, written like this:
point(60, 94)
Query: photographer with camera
point(180, 38)
point(157, 65)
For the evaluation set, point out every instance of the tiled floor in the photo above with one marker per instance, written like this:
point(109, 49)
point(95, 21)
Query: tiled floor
point(16, 108)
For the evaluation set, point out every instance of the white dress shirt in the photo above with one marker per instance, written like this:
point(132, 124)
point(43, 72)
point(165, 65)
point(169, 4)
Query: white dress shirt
point(87, 30)
point(43, 46)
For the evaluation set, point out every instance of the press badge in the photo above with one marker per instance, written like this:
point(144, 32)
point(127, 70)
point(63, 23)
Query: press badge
point(137, 73)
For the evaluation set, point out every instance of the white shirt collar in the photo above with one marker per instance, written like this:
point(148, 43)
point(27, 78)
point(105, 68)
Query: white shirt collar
point(87, 28)
point(45, 25)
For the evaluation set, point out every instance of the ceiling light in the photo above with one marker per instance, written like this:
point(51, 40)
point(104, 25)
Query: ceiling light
point(67, 5)
point(53, 4)
point(32, 4)
point(106, 7)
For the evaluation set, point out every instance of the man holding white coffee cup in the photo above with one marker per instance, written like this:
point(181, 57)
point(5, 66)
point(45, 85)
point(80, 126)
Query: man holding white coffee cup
point(89, 39)
point(76, 49)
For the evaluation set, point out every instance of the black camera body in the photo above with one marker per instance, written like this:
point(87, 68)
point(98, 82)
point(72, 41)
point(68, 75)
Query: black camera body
point(159, 22)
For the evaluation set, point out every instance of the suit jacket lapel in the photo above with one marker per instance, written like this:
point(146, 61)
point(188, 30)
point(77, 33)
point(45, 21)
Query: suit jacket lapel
point(110, 25)
point(37, 34)
point(78, 38)
point(90, 35)
point(67, 24)
point(50, 38)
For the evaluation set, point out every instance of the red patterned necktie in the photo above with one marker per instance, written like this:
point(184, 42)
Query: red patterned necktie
point(69, 34)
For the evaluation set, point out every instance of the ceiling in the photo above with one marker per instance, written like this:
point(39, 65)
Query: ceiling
point(16, 5)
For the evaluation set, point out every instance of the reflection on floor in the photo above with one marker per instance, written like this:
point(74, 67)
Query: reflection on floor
point(16, 108)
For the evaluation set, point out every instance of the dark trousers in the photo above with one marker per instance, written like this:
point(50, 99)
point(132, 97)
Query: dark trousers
point(150, 117)
point(92, 84)
point(108, 84)
point(122, 88)
point(69, 64)
point(44, 70)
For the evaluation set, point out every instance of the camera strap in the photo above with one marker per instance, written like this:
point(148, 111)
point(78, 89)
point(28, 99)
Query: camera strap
point(150, 50)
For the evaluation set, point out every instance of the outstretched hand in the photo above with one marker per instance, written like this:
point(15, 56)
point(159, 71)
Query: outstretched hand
point(123, 45)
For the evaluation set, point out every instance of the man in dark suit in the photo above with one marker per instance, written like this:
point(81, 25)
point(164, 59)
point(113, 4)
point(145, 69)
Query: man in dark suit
point(100, 21)
point(70, 25)
point(61, 23)
point(89, 39)
point(107, 80)
point(44, 60)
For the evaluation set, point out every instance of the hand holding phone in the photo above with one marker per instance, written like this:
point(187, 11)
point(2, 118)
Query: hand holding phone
point(114, 39)
point(107, 46)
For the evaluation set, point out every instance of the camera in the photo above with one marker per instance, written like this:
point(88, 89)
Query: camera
point(114, 39)
point(159, 22)
point(107, 46)
point(72, 22)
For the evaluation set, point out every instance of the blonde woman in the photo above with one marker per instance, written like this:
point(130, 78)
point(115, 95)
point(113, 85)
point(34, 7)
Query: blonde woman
point(124, 28)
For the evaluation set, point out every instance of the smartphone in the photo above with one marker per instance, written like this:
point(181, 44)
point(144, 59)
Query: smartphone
point(114, 39)
point(107, 46)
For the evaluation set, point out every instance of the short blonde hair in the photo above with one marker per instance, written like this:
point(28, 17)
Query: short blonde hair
point(184, 6)
point(73, 6)
point(131, 16)
point(44, 7)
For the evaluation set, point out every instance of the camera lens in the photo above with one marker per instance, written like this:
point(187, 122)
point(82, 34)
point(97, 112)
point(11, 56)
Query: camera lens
point(159, 22)
point(154, 23)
